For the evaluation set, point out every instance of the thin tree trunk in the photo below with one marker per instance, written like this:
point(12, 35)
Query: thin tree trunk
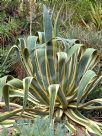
point(32, 8)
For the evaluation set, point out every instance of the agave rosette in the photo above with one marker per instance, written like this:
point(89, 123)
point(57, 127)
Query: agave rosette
point(59, 78)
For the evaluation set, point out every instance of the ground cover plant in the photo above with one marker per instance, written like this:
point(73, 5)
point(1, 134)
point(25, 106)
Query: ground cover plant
point(60, 76)
point(40, 127)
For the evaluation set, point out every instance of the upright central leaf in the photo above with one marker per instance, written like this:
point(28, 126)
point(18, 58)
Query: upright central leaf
point(47, 25)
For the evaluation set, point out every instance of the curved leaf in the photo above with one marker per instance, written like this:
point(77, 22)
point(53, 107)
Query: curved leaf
point(53, 90)
point(86, 79)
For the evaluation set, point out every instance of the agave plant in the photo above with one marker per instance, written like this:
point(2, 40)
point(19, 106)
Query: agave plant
point(60, 77)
